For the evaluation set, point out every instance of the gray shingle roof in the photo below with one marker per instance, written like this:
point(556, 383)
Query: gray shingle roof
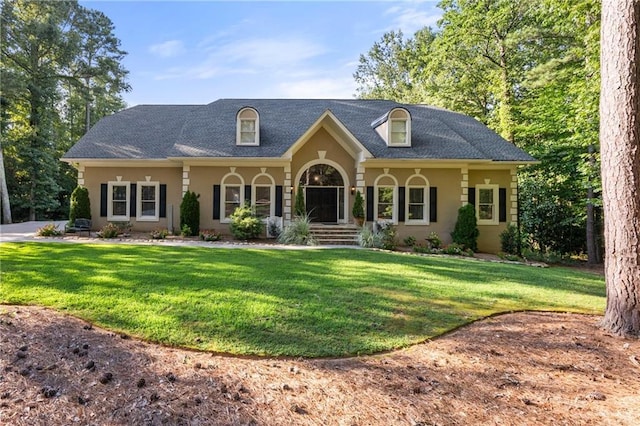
point(162, 131)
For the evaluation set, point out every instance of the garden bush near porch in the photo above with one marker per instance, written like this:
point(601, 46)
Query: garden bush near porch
point(281, 302)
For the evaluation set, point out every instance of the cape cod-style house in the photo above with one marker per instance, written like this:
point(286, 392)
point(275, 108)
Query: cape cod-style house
point(415, 165)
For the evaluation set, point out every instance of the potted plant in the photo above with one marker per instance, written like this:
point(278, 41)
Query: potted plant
point(358, 209)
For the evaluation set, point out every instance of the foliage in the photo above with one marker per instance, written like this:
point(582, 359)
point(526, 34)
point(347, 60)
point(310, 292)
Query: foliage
point(388, 232)
point(409, 241)
point(80, 204)
point(273, 227)
point(51, 92)
point(300, 209)
point(465, 233)
point(254, 301)
point(358, 206)
point(110, 230)
point(458, 250)
point(49, 230)
point(298, 232)
point(190, 213)
point(159, 234)
point(434, 241)
point(186, 231)
point(210, 235)
point(245, 225)
point(369, 238)
point(509, 243)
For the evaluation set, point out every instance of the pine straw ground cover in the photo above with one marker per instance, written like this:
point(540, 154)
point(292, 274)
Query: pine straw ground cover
point(513, 369)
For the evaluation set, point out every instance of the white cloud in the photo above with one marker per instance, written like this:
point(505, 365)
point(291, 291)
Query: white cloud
point(412, 16)
point(168, 49)
point(270, 52)
point(318, 88)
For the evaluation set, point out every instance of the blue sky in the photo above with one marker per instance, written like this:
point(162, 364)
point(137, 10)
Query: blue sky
point(199, 51)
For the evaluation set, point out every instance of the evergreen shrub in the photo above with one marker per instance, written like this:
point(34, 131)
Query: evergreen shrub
point(190, 213)
point(465, 233)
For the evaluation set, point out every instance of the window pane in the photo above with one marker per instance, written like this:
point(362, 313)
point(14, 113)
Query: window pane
point(263, 201)
point(119, 208)
point(232, 194)
point(148, 208)
point(229, 208)
point(385, 203)
point(247, 137)
point(248, 126)
point(416, 195)
point(485, 211)
point(416, 211)
point(398, 138)
point(148, 193)
point(120, 193)
point(385, 195)
point(486, 196)
point(398, 126)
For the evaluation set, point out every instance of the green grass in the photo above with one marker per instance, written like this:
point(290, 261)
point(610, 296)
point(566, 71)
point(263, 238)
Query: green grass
point(274, 302)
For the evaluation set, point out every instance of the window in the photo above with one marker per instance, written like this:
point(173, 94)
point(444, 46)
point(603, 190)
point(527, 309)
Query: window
point(399, 128)
point(487, 204)
point(385, 202)
point(118, 206)
point(148, 201)
point(417, 205)
point(417, 200)
point(248, 127)
point(263, 201)
point(232, 199)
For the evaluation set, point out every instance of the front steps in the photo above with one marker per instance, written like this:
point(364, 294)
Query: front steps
point(335, 235)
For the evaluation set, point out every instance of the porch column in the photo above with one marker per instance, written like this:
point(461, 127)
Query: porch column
point(185, 179)
point(81, 175)
point(464, 185)
point(286, 196)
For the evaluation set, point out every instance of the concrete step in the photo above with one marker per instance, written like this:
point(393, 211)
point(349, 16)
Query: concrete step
point(343, 234)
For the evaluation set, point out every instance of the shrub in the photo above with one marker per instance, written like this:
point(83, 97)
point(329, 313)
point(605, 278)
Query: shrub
point(245, 225)
point(186, 231)
point(388, 232)
point(465, 233)
point(369, 238)
point(434, 241)
point(454, 249)
point(159, 234)
point(80, 206)
point(49, 230)
point(210, 235)
point(300, 209)
point(298, 232)
point(509, 240)
point(110, 230)
point(274, 227)
point(410, 241)
point(190, 213)
point(358, 208)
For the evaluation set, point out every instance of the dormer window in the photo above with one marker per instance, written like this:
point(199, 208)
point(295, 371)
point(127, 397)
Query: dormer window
point(399, 128)
point(394, 127)
point(248, 127)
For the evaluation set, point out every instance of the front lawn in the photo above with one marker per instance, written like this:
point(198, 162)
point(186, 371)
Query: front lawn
point(281, 302)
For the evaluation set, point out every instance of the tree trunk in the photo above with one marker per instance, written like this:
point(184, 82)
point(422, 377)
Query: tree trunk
point(620, 152)
point(4, 192)
point(592, 251)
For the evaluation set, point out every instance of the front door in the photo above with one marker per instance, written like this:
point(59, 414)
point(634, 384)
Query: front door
point(322, 204)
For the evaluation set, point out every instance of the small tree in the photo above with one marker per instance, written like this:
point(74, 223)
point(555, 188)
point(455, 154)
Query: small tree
point(300, 209)
point(80, 204)
point(358, 208)
point(466, 231)
point(245, 225)
point(190, 212)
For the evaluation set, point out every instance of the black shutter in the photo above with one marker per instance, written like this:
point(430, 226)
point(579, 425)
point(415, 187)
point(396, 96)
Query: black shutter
point(502, 204)
point(279, 200)
point(103, 199)
point(216, 202)
point(369, 202)
point(433, 204)
point(401, 206)
point(133, 200)
point(163, 200)
point(472, 196)
point(247, 194)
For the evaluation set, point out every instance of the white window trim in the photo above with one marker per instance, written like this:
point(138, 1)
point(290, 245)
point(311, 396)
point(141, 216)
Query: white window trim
point(139, 216)
point(425, 212)
point(223, 200)
point(496, 216)
point(394, 214)
point(256, 141)
point(110, 216)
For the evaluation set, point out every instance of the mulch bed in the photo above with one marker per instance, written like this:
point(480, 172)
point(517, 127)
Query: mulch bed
point(514, 369)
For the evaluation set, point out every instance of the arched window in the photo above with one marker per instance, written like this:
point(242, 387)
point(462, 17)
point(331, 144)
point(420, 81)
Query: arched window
point(232, 194)
point(248, 127)
point(263, 195)
point(321, 175)
point(417, 200)
point(386, 198)
point(399, 128)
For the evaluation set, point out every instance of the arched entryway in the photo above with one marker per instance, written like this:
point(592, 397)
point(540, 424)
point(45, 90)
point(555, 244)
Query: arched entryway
point(324, 190)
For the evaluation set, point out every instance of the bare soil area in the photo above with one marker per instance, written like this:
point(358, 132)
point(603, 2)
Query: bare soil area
point(520, 368)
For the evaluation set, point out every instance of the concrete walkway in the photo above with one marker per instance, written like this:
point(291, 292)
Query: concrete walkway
point(25, 231)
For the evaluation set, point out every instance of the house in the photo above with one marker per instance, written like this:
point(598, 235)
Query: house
point(415, 165)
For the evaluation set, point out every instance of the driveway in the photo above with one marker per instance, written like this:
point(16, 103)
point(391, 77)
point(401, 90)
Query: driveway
point(24, 231)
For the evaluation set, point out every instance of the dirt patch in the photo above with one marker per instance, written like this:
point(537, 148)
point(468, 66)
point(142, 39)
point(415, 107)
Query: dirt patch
point(522, 368)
